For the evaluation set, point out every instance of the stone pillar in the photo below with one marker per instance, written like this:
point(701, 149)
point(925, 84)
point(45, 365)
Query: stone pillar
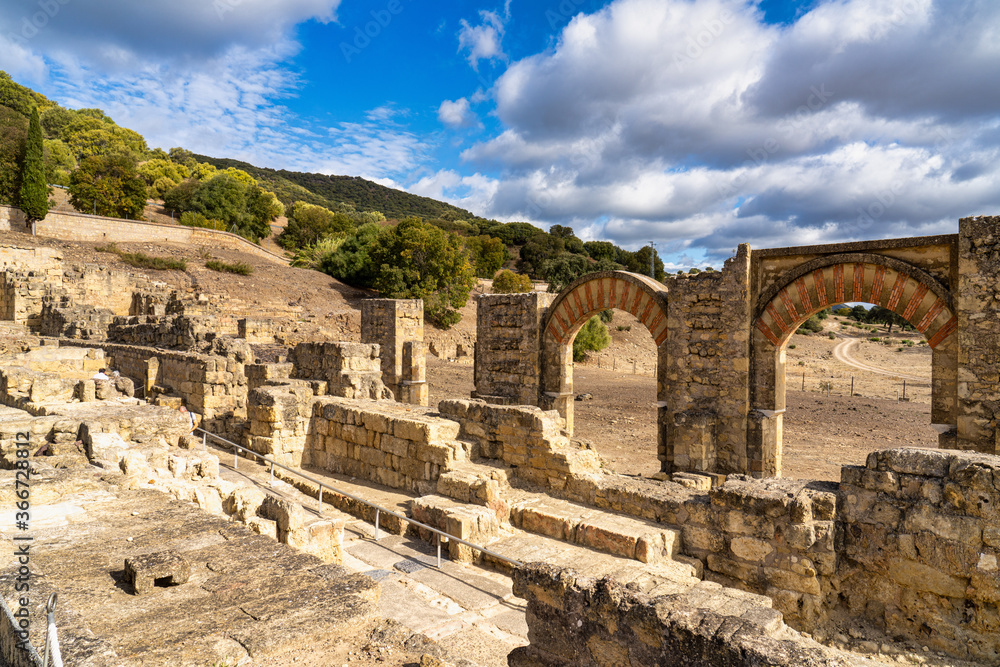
point(508, 358)
point(413, 387)
point(978, 372)
point(391, 323)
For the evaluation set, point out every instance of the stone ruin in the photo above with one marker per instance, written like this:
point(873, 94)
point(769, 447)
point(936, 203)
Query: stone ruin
point(905, 547)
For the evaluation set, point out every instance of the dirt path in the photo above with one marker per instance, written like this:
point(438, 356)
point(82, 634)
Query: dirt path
point(842, 353)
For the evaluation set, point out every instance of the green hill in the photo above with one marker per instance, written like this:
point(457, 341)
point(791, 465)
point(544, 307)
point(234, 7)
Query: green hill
point(327, 191)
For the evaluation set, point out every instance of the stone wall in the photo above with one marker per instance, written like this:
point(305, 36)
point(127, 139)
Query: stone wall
point(350, 370)
point(212, 385)
point(703, 374)
point(406, 448)
point(525, 438)
point(921, 542)
point(397, 327)
point(508, 347)
point(80, 227)
point(574, 620)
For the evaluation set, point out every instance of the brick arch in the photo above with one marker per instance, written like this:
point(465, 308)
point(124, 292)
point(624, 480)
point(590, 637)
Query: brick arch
point(909, 292)
point(639, 295)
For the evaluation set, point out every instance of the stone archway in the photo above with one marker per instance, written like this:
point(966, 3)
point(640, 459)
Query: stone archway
point(912, 293)
point(639, 295)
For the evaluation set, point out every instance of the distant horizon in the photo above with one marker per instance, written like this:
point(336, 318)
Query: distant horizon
point(696, 124)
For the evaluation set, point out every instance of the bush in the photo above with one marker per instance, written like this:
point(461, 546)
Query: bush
point(627, 327)
point(239, 268)
point(593, 337)
point(792, 346)
point(191, 219)
point(307, 224)
point(832, 336)
point(143, 261)
point(812, 325)
point(606, 315)
point(508, 282)
point(875, 339)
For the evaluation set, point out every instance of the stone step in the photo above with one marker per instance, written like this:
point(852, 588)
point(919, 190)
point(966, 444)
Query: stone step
point(478, 483)
point(618, 534)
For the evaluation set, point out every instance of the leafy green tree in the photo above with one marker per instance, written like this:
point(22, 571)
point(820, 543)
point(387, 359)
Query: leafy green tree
point(599, 250)
point(638, 262)
point(308, 223)
point(179, 199)
point(55, 121)
point(350, 262)
point(812, 325)
point(157, 168)
point(417, 260)
point(13, 138)
point(487, 254)
point(22, 100)
point(592, 337)
point(59, 162)
point(106, 140)
point(564, 269)
point(508, 282)
point(108, 185)
point(880, 315)
point(34, 197)
point(859, 313)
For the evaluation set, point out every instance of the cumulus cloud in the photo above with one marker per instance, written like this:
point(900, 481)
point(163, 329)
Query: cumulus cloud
point(457, 114)
point(484, 41)
point(472, 193)
point(668, 119)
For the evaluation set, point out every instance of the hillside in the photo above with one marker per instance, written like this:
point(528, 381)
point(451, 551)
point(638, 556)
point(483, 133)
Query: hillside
point(328, 191)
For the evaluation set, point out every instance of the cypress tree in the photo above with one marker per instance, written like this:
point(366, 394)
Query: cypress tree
point(34, 192)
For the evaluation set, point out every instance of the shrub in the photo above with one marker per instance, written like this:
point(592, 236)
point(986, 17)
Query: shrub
point(239, 268)
point(192, 219)
point(875, 339)
point(143, 261)
point(626, 327)
point(792, 346)
point(508, 282)
point(812, 325)
point(606, 315)
point(832, 336)
point(593, 337)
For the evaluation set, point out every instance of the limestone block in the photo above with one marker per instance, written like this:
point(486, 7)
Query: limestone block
point(288, 515)
point(751, 549)
point(922, 577)
point(167, 566)
point(108, 450)
point(244, 503)
point(263, 526)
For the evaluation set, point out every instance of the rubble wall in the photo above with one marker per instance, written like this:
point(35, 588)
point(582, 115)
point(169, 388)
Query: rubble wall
point(921, 545)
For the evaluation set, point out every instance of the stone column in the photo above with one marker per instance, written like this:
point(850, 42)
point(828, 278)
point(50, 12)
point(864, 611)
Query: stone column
point(978, 306)
point(392, 323)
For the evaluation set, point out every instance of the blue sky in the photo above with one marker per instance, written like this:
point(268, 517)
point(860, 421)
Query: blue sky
point(698, 124)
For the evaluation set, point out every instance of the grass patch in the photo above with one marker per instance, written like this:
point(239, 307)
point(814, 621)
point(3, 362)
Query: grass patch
point(141, 260)
point(239, 268)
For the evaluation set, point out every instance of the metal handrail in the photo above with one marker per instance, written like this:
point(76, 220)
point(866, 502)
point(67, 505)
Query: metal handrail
point(378, 508)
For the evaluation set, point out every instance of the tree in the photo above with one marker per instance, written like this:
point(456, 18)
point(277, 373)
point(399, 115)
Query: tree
point(34, 196)
point(508, 282)
point(13, 137)
point(859, 313)
point(308, 223)
point(594, 336)
point(487, 254)
point(108, 185)
point(889, 318)
point(564, 269)
point(350, 262)
point(417, 260)
point(59, 162)
point(599, 250)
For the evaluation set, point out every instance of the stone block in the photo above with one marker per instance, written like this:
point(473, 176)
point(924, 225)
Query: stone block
point(163, 567)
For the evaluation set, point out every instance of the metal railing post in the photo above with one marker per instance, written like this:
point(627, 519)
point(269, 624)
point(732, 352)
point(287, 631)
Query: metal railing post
point(439, 549)
point(272, 473)
point(376, 524)
point(51, 636)
point(321, 500)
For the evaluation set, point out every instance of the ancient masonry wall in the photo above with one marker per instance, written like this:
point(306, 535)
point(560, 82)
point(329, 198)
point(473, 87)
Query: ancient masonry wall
point(81, 227)
point(921, 547)
point(523, 437)
point(979, 332)
point(211, 385)
point(508, 347)
point(703, 374)
point(397, 327)
point(350, 370)
point(574, 620)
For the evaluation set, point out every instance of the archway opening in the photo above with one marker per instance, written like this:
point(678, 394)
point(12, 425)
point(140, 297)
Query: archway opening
point(858, 378)
point(643, 299)
point(818, 380)
point(615, 400)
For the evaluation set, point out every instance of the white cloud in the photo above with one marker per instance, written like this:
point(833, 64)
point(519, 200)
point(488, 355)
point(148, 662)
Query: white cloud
point(472, 193)
point(675, 120)
point(457, 113)
point(484, 41)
